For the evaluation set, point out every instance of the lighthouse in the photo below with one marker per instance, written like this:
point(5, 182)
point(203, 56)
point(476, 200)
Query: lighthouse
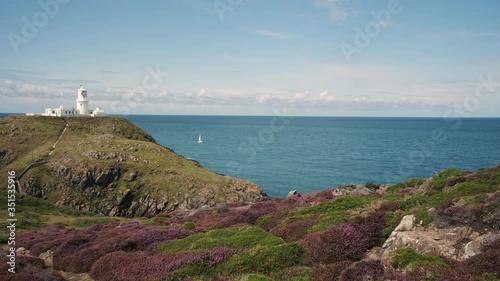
point(82, 103)
point(82, 108)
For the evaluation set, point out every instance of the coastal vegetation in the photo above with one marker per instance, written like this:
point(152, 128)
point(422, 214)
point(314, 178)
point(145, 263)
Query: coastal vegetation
point(316, 236)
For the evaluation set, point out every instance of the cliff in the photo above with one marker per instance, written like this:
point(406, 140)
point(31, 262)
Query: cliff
point(109, 166)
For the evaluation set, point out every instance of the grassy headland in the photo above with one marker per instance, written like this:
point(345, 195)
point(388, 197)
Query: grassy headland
point(111, 167)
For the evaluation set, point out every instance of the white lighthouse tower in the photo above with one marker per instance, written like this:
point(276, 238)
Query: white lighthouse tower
point(82, 108)
point(82, 103)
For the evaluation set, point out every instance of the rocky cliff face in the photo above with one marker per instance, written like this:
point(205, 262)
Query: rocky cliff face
point(111, 167)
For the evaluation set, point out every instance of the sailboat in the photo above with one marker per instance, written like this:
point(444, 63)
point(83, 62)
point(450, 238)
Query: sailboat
point(199, 139)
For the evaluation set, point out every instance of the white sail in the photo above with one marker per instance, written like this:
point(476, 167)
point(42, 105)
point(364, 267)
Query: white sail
point(199, 139)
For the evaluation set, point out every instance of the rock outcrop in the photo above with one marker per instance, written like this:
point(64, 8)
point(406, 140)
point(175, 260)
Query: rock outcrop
point(453, 242)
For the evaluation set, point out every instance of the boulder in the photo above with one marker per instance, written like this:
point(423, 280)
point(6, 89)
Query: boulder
point(291, 194)
point(406, 224)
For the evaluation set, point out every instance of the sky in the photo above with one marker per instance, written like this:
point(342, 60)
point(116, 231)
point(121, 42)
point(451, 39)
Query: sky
point(420, 58)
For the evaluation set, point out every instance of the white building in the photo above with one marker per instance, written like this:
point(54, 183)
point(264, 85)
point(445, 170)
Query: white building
point(58, 112)
point(82, 108)
point(82, 103)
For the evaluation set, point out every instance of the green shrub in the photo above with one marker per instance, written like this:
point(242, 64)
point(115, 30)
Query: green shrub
point(86, 222)
point(394, 197)
point(392, 221)
point(439, 181)
point(296, 273)
point(29, 222)
point(495, 205)
point(413, 182)
point(407, 257)
point(422, 215)
point(473, 188)
point(153, 220)
point(476, 199)
point(489, 277)
point(189, 225)
point(331, 221)
point(234, 238)
point(266, 260)
point(430, 199)
point(416, 200)
point(261, 220)
point(256, 277)
point(4, 238)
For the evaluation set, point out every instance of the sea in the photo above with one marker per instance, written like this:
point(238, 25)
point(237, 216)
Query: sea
point(283, 153)
point(306, 154)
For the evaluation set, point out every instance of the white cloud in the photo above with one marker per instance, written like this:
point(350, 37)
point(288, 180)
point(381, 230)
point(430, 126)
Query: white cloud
point(338, 14)
point(202, 94)
point(336, 9)
point(324, 96)
point(273, 34)
point(263, 98)
point(14, 89)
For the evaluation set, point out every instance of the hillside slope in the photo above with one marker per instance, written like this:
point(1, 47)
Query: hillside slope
point(446, 228)
point(111, 167)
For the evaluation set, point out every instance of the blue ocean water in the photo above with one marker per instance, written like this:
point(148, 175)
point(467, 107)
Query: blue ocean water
point(313, 153)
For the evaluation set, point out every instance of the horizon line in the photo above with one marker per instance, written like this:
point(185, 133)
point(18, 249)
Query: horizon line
point(307, 116)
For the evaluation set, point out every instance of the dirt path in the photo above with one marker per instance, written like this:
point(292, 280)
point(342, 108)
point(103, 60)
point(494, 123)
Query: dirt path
point(60, 137)
point(76, 276)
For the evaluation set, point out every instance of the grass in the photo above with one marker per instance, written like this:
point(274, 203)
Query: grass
point(189, 225)
point(390, 196)
point(473, 188)
point(234, 238)
point(392, 221)
point(340, 204)
point(422, 215)
point(261, 261)
point(265, 260)
point(409, 258)
point(152, 220)
point(330, 221)
point(439, 181)
point(296, 273)
point(33, 212)
point(335, 211)
point(413, 182)
point(255, 277)
point(86, 222)
point(24, 134)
